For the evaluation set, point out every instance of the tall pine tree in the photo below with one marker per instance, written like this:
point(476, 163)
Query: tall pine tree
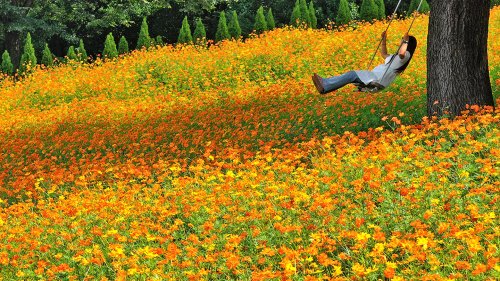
point(343, 13)
point(82, 53)
point(312, 15)
point(7, 67)
point(28, 58)
point(71, 55)
point(144, 40)
point(295, 19)
point(200, 34)
point(123, 46)
point(369, 10)
point(234, 26)
point(260, 21)
point(304, 13)
point(110, 50)
point(222, 30)
point(271, 23)
point(381, 9)
point(185, 36)
point(424, 8)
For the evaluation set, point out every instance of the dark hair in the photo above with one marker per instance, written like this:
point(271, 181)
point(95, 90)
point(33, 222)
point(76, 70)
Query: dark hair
point(412, 46)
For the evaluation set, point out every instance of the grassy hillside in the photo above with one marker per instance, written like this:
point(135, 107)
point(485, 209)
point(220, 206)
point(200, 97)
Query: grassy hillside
point(185, 163)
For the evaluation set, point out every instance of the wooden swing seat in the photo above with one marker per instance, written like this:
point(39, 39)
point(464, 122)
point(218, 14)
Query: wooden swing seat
point(371, 87)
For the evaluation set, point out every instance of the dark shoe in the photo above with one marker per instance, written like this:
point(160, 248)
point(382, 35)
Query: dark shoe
point(318, 83)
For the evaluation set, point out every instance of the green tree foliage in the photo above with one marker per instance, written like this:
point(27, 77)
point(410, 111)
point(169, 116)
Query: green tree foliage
point(304, 13)
point(159, 40)
point(381, 8)
point(144, 40)
point(47, 56)
point(110, 50)
point(260, 21)
point(234, 26)
point(369, 10)
point(424, 8)
point(28, 58)
point(71, 55)
point(296, 18)
point(123, 46)
point(82, 53)
point(222, 30)
point(200, 34)
point(312, 15)
point(185, 36)
point(7, 67)
point(343, 14)
point(271, 23)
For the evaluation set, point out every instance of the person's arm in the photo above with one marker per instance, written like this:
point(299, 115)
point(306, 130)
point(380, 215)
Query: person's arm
point(383, 49)
point(404, 46)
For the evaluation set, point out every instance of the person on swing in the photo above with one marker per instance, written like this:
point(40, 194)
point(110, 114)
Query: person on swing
point(381, 76)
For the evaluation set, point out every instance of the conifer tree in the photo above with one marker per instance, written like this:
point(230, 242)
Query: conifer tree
point(7, 67)
point(82, 53)
point(71, 55)
point(123, 46)
point(260, 21)
point(369, 10)
point(424, 8)
point(234, 26)
point(185, 36)
point(110, 50)
point(381, 9)
point(47, 57)
point(159, 40)
point(28, 58)
point(343, 13)
point(144, 40)
point(271, 23)
point(312, 15)
point(222, 30)
point(304, 13)
point(295, 20)
point(200, 34)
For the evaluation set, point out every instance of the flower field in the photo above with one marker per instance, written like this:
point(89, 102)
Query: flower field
point(225, 164)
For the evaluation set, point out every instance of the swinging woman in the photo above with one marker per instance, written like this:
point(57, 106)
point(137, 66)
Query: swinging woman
point(378, 78)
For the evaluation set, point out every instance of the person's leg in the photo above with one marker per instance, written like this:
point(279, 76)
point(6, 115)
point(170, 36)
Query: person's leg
point(336, 82)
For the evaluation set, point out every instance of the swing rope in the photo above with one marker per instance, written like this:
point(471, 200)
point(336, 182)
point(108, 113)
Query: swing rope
point(390, 21)
point(415, 13)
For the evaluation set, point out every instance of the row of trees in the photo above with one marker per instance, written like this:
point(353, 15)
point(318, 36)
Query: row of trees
point(62, 23)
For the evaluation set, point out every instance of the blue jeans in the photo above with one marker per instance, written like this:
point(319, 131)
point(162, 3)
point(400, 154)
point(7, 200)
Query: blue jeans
point(336, 82)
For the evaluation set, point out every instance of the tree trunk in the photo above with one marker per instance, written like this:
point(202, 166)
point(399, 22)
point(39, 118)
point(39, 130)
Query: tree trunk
point(13, 44)
point(457, 56)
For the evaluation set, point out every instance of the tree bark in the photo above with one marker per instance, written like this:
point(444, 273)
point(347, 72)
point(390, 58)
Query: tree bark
point(457, 56)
